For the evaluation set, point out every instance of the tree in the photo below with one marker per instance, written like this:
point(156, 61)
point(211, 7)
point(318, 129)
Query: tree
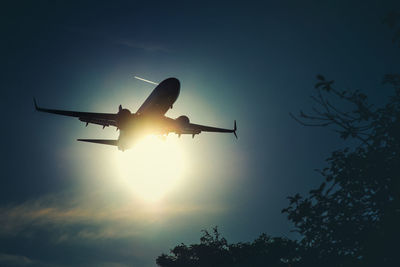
point(214, 250)
point(353, 217)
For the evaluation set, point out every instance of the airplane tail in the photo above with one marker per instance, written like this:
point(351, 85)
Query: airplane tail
point(234, 130)
point(100, 141)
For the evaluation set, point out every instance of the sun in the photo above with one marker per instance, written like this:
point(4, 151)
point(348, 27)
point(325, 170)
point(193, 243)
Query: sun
point(152, 168)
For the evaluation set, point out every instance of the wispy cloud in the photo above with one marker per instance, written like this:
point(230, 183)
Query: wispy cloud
point(127, 41)
point(112, 264)
point(7, 259)
point(81, 218)
point(14, 260)
point(150, 47)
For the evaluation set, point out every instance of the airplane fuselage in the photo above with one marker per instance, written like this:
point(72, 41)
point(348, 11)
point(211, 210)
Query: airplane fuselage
point(147, 120)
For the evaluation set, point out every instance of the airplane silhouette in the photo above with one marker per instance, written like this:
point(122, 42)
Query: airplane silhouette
point(149, 119)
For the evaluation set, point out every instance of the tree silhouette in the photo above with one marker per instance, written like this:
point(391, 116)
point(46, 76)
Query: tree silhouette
point(353, 217)
point(214, 250)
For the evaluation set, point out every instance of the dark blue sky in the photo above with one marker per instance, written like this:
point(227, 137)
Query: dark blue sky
point(62, 203)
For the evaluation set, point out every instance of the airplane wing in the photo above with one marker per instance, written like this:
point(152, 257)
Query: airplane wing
point(104, 119)
point(194, 129)
point(100, 141)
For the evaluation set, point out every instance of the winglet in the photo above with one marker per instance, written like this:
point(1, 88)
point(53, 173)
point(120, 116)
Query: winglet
point(234, 130)
point(36, 106)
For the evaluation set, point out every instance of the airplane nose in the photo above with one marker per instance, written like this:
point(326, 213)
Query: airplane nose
point(172, 85)
point(172, 82)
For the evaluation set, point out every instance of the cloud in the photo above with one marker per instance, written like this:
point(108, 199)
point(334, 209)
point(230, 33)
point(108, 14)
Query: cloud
point(71, 228)
point(93, 224)
point(112, 38)
point(150, 47)
point(14, 260)
point(112, 264)
point(20, 260)
point(72, 217)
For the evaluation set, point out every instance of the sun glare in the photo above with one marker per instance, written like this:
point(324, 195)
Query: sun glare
point(152, 167)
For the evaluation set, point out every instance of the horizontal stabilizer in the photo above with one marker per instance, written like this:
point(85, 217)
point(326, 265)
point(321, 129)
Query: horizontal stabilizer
point(100, 141)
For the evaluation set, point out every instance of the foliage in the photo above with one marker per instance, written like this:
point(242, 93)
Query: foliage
point(214, 250)
point(353, 217)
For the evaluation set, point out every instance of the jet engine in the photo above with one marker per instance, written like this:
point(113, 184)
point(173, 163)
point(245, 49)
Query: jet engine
point(123, 118)
point(183, 120)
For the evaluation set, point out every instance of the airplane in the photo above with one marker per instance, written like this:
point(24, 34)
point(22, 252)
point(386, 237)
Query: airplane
point(149, 118)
